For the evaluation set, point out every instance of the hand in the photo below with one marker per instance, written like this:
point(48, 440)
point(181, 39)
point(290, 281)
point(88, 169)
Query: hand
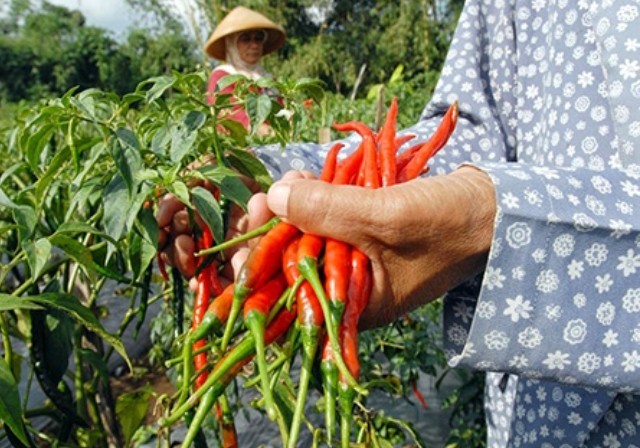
point(176, 242)
point(423, 237)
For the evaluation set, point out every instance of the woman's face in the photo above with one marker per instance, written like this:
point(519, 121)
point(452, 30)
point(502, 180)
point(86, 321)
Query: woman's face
point(250, 45)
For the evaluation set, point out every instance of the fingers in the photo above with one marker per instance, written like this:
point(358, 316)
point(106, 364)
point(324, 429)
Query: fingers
point(168, 205)
point(324, 209)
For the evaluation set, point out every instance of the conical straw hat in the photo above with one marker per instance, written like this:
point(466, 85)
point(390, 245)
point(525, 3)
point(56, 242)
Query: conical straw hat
point(243, 19)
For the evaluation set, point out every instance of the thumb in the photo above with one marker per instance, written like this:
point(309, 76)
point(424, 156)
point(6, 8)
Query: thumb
point(338, 211)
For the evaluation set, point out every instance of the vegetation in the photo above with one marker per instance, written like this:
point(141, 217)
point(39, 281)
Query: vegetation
point(93, 130)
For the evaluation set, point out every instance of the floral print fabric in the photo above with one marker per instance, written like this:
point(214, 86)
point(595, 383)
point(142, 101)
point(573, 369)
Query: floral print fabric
point(549, 95)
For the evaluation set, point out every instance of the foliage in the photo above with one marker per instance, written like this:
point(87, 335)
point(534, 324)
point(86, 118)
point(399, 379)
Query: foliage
point(77, 196)
point(73, 54)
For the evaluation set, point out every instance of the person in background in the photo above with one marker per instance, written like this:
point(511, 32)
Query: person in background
point(241, 39)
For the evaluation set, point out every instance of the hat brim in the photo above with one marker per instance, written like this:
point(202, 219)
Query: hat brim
point(243, 19)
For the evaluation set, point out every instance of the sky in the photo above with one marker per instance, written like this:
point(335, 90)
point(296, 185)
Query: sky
point(113, 15)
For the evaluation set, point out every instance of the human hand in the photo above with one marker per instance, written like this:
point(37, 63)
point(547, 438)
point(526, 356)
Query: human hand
point(423, 237)
point(176, 234)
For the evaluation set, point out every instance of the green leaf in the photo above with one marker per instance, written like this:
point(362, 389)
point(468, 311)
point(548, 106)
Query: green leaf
point(161, 140)
point(250, 166)
point(74, 228)
point(59, 160)
point(210, 211)
point(258, 107)
point(148, 226)
point(131, 409)
point(36, 143)
point(231, 186)
point(74, 249)
point(26, 219)
point(58, 343)
point(125, 151)
point(160, 85)
point(116, 205)
point(182, 140)
point(194, 120)
point(81, 314)
point(10, 303)
point(5, 201)
point(10, 406)
point(97, 362)
point(37, 255)
point(141, 254)
point(181, 191)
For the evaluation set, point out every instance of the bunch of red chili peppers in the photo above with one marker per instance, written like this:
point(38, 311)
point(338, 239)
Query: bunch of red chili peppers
point(323, 283)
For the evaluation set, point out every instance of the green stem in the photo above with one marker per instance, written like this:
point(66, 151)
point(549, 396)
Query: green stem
point(240, 293)
point(6, 342)
point(330, 387)
point(346, 397)
point(309, 335)
point(309, 270)
point(240, 239)
point(208, 400)
point(255, 322)
point(245, 348)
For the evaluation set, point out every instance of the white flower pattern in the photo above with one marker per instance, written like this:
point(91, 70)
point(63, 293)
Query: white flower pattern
point(549, 95)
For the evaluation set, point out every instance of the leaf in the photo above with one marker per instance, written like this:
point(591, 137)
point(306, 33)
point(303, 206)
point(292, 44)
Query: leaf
point(125, 151)
point(182, 140)
point(131, 409)
point(58, 343)
point(97, 362)
point(10, 406)
point(74, 249)
point(26, 219)
point(74, 228)
point(11, 303)
point(210, 211)
point(116, 204)
point(37, 255)
point(250, 166)
point(141, 254)
point(180, 190)
point(161, 85)
point(160, 140)
point(148, 226)
point(231, 187)
point(258, 108)
point(5, 201)
point(194, 120)
point(81, 314)
point(36, 143)
point(60, 158)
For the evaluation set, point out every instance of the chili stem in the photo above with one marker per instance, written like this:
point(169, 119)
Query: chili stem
point(307, 268)
point(245, 237)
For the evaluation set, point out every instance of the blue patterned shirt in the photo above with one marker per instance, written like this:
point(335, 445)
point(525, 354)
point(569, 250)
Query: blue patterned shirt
point(549, 95)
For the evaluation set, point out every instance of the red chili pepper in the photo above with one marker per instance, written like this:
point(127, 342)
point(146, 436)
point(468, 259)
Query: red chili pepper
point(387, 147)
point(262, 263)
point(162, 267)
point(360, 285)
point(432, 146)
point(228, 434)
point(331, 163)
point(402, 139)
point(256, 310)
point(418, 394)
point(347, 170)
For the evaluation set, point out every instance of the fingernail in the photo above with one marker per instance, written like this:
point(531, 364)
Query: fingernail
point(278, 198)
